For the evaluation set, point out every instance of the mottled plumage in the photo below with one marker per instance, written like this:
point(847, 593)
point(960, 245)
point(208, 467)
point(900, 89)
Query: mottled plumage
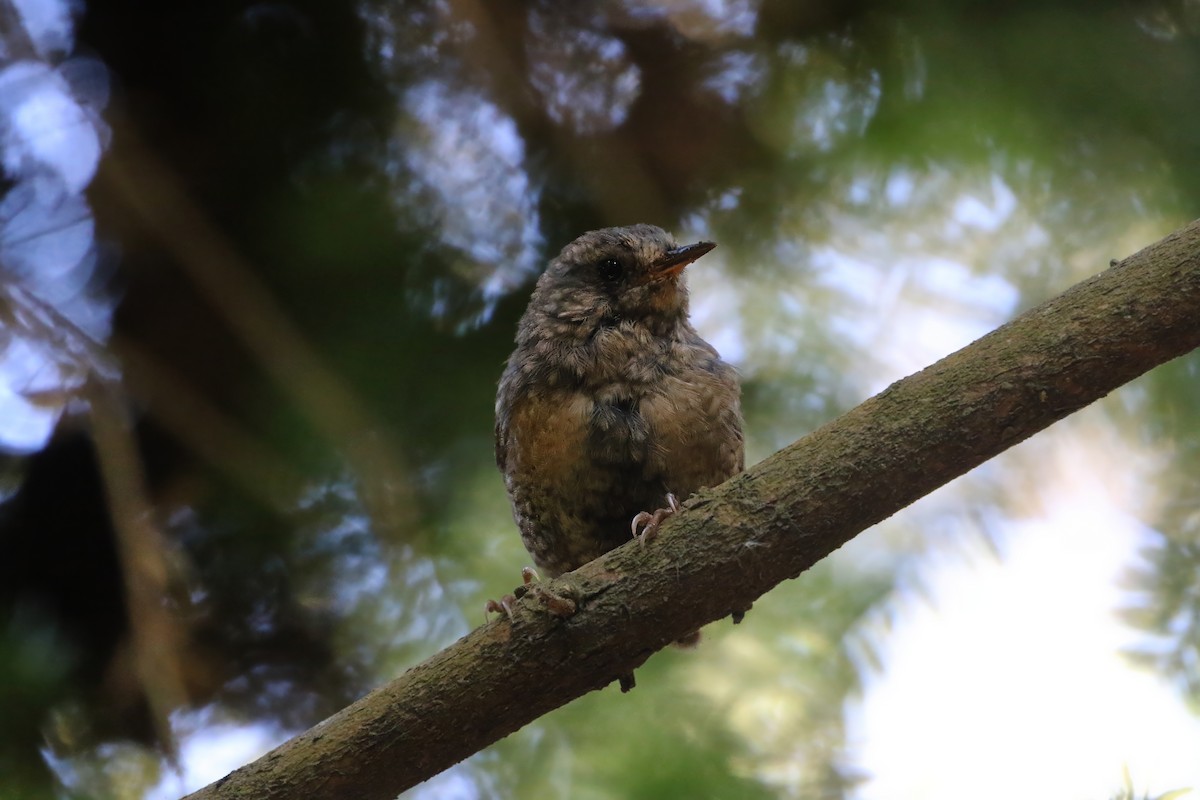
point(611, 399)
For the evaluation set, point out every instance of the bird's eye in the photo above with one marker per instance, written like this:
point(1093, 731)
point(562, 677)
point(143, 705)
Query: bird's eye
point(610, 269)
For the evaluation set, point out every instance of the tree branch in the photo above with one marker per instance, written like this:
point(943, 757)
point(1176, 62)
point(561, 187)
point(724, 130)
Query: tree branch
point(734, 543)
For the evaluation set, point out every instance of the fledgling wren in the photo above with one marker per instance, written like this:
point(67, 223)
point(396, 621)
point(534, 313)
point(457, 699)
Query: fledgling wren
point(611, 405)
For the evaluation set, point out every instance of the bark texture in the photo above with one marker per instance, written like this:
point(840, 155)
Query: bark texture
point(735, 542)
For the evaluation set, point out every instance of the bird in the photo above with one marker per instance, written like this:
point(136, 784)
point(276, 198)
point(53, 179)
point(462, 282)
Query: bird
point(612, 404)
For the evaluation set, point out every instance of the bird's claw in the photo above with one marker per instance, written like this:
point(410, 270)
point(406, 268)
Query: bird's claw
point(502, 606)
point(505, 604)
point(645, 525)
point(558, 605)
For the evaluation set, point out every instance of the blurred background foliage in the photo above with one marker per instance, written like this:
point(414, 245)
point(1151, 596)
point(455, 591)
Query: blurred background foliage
point(262, 263)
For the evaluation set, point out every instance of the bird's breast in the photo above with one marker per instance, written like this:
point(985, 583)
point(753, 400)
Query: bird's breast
point(618, 433)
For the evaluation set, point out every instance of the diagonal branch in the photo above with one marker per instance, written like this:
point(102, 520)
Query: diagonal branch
point(734, 543)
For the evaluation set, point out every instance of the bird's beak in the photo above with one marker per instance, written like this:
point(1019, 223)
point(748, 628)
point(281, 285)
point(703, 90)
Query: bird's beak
point(672, 262)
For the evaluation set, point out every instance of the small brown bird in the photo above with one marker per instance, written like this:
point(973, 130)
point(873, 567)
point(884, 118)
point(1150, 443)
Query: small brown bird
point(611, 403)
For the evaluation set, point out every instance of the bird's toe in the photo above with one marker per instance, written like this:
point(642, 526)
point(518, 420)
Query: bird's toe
point(645, 525)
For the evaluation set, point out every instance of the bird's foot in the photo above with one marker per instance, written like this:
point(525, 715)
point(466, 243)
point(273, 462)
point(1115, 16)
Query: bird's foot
point(505, 604)
point(502, 606)
point(645, 525)
point(556, 604)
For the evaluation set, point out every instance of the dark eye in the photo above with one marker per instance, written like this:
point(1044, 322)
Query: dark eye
point(610, 269)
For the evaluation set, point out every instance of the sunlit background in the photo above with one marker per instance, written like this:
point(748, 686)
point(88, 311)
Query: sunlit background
point(261, 264)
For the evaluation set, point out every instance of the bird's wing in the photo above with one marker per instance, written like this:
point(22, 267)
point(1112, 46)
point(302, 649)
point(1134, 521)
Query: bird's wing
point(503, 412)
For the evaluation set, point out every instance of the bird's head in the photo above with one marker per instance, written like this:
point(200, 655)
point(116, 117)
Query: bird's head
point(613, 275)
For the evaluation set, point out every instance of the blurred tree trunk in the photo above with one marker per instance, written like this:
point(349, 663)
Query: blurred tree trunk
point(734, 543)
